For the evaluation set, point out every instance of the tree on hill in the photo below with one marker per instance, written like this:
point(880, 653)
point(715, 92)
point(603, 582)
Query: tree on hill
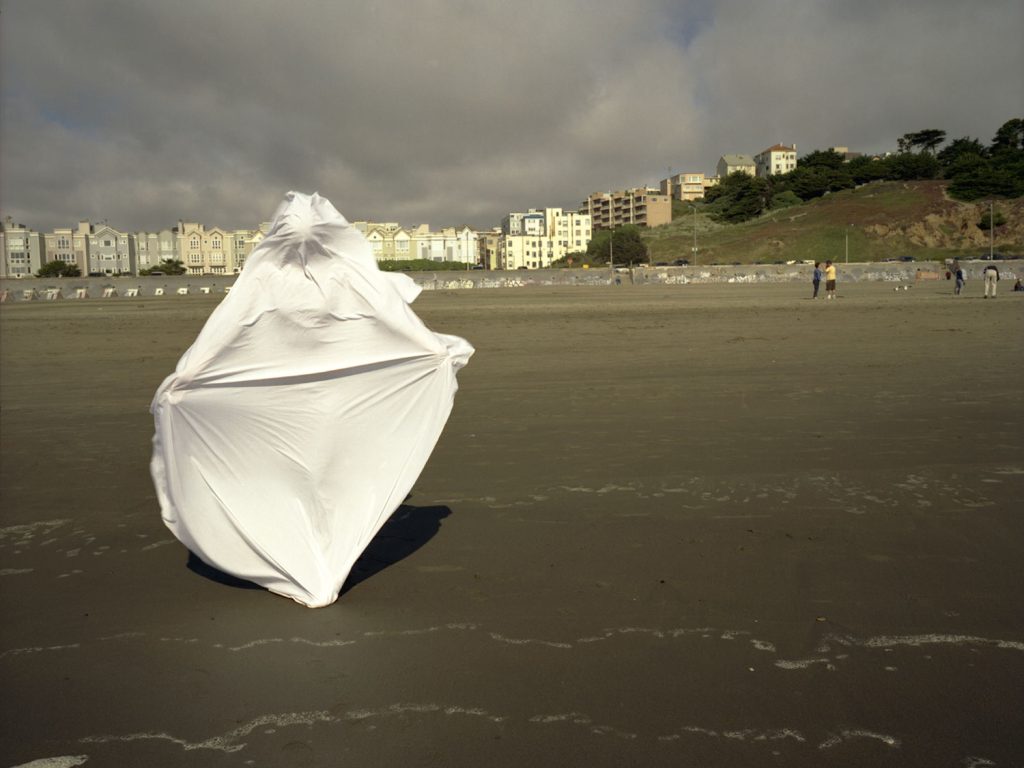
point(928, 140)
point(987, 221)
point(167, 267)
point(738, 197)
point(59, 269)
point(864, 169)
point(910, 165)
point(622, 245)
point(958, 149)
point(820, 159)
point(1009, 136)
point(996, 172)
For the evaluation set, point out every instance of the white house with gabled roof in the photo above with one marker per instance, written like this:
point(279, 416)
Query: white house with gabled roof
point(775, 160)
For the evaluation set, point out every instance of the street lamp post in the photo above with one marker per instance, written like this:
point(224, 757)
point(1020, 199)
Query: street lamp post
point(694, 234)
point(991, 230)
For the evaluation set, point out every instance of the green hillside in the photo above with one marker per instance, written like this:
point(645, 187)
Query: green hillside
point(881, 220)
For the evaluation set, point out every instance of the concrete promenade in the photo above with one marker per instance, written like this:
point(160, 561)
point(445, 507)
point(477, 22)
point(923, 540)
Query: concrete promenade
point(172, 286)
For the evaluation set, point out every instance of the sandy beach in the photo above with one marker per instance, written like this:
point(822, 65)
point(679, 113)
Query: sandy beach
point(708, 525)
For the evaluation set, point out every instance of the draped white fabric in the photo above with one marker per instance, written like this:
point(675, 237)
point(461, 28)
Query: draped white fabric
point(304, 411)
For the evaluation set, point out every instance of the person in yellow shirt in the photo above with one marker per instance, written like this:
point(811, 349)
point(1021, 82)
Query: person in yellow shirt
point(830, 280)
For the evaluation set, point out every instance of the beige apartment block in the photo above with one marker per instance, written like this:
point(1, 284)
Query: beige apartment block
point(735, 164)
point(845, 153)
point(70, 245)
point(206, 251)
point(775, 160)
point(685, 186)
point(388, 241)
point(245, 240)
point(643, 206)
point(489, 246)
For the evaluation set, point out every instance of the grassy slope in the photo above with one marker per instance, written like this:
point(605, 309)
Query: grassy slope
point(883, 220)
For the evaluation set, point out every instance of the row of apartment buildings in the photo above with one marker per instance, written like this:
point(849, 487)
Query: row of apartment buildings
point(531, 240)
point(99, 249)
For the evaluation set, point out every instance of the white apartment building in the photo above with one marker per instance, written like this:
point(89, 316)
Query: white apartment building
point(153, 248)
point(776, 159)
point(546, 236)
point(23, 250)
point(531, 223)
point(111, 252)
point(450, 244)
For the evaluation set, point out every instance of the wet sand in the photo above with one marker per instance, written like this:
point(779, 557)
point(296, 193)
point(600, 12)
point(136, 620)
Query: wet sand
point(715, 525)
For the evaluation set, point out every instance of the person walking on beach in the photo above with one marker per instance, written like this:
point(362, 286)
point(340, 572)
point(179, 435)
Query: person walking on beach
point(991, 275)
point(959, 281)
point(816, 279)
point(830, 280)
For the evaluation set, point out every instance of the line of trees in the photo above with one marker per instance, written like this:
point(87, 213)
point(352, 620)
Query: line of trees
point(59, 268)
point(973, 170)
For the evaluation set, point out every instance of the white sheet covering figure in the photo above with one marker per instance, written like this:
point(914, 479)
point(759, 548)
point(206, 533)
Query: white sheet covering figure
point(304, 411)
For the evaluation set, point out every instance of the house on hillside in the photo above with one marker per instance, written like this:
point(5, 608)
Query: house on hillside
point(845, 153)
point(687, 186)
point(776, 159)
point(735, 164)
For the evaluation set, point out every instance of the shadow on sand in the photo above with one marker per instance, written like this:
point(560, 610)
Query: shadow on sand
point(408, 529)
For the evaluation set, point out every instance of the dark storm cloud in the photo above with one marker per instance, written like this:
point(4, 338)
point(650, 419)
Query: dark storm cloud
point(451, 113)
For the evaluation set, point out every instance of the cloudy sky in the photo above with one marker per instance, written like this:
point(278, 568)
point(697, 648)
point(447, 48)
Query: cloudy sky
point(452, 112)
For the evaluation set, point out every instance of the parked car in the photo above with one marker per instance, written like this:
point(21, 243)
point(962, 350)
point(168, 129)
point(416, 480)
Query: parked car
point(680, 263)
point(906, 258)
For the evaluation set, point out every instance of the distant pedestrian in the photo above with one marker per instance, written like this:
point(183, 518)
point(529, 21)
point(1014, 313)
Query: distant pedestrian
point(830, 280)
point(959, 281)
point(991, 275)
point(816, 279)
